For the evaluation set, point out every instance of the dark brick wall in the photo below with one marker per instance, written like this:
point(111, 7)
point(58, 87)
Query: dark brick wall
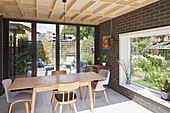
point(151, 16)
point(1, 53)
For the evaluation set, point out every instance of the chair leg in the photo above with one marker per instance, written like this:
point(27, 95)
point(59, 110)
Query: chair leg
point(75, 107)
point(81, 92)
point(52, 97)
point(53, 103)
point(26, 107)
point(106, 97)
point(86, 94)
point(10, 107)
point(94, 99)
point(55, 107)
point(99, 95)
point(61, 108)
point(71, 105)
point(30, 103)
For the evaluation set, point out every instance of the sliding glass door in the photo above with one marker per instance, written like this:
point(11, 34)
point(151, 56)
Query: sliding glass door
point(46, 48)
point(68, 48)
point(86, 48)
point(49, 45)
point(20, 47)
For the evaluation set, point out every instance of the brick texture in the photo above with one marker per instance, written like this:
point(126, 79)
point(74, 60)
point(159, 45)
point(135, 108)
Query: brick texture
point(1, 53)
point(151, 16)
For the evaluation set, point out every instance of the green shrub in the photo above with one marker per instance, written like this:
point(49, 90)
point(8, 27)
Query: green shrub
point(138, 74)
point(163, 85)
point(24, 53)
point(43, 55)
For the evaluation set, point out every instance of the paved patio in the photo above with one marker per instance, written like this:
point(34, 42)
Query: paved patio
point(117, 104)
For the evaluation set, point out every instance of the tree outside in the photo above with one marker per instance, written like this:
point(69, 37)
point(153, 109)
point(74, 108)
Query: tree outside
point(86, 41)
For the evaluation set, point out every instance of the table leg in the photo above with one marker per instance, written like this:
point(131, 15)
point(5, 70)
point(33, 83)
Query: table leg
point(33, 100)
point(81, 92)
point(90, 96)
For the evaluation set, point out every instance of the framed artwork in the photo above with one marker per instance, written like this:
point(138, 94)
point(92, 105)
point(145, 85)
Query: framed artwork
point(106, 45)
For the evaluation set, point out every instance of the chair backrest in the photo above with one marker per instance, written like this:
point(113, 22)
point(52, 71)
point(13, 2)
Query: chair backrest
point(58, 72)
point(105, 73)
point(70, 88)
point(70, 59)
point(40, 63)
point(6, 84)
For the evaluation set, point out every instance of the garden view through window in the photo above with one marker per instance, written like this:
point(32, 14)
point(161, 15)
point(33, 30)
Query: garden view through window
point(150, 60)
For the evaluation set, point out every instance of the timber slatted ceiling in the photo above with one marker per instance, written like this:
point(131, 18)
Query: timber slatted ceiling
point(77, 11)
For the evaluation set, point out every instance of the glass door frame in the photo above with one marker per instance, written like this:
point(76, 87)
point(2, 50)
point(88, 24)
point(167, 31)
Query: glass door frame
point(34, 51)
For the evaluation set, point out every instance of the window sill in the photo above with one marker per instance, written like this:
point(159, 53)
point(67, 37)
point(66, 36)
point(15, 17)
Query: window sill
point(147, 92)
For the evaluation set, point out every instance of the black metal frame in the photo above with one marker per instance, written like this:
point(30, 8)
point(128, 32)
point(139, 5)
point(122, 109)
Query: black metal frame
point(34, 54)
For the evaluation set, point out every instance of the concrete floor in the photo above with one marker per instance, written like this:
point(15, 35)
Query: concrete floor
point(117, 104)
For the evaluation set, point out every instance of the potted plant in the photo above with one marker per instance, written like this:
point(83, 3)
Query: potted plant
point(164, 86)
point(104, 60)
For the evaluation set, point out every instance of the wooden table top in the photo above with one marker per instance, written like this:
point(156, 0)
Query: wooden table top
point(35, 82)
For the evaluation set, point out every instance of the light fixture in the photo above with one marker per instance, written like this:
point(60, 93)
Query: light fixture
point(64, 1)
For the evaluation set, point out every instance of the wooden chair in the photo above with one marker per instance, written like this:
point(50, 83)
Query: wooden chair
point(22, 97)
point(66, 98)
point(55, 91)
point(58, 72)
point(98, 86)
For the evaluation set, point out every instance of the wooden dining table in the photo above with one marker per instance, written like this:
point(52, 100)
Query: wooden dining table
point(47, 83)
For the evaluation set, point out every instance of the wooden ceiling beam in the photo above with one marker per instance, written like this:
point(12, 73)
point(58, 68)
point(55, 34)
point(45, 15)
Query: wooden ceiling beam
point(36, 5)
point(110, 1)
point(96, 18)
point(126, 7)
point(85, 17)
point(97, 10)
point(116, 9)
point(20, 8)
point(101, 8)
point(83, 9)
point(113, 9)
point(68, 9)
point(104, 19)
point(42, 7)
point(53, 9)
point(3, 10)
point(126, 2)
point(106, 13)
point(46, 18)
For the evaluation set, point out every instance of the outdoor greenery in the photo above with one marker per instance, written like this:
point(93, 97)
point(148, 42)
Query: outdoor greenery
point(24, 53)
point(86, 41)
point(43, 55)
point(87, 53)
point(148, 84)
point(87, 44)
point(149, 67)
point(84, 31)
point(163, 85)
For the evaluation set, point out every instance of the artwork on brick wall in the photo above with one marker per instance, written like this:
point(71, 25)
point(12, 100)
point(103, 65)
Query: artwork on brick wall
point(106, 45)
